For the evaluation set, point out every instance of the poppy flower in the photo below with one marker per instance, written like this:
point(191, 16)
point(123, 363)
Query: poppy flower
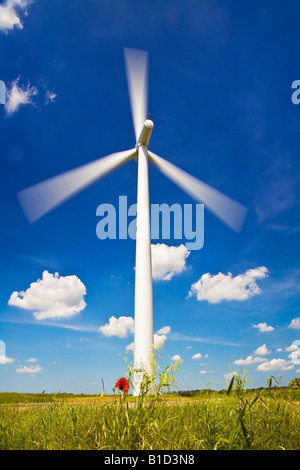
point(122, 385)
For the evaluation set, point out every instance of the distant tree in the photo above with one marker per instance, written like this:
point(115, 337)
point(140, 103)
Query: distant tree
point(295, 383)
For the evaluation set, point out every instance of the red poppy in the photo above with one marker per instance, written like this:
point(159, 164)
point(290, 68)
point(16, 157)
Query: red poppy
point(122, 385)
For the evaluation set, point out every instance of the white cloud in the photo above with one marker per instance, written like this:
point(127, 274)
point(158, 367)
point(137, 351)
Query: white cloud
point(159, 339)
point(295, 356)
point(118, 327)
point(295, 323)
point(50, 97)
point(53, 296)
point(167, 261)
point(10, 14)
point(262, 351)
point(249, 360)
point(220, 287)
point(197, 356)
point(292, 347)
point(275, 364)
point(164, 330)
point(263, 327)
point(29, 370)
point(130, 347)
point(32, 359)
point(176, 357)
point(8, 18)
point(5, 360)
point(18, 95)
point(294, 350)
point(230, 375)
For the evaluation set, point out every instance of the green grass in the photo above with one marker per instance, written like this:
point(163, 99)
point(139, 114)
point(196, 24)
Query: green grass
point(238, 419)
point(232, 419)
point(13, 397)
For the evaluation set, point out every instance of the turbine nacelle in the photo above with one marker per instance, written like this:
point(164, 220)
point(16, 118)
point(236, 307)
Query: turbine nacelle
point(145, 133)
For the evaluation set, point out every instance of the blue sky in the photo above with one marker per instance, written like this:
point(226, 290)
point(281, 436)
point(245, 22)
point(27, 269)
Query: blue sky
point(220, 88)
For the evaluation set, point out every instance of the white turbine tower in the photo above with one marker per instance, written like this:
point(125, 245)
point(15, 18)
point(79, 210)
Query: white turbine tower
point(41, 198)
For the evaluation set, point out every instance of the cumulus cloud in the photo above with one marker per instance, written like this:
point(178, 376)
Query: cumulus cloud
point(159, 339)
point(5, 360)
point(275, 364)
point(295, 323)
point(164, 330)
point(295, 356)
point(230, 375)
point(8, 18)
point(263, 327)
point(249, 360)
point(11, 12)
point(294, 350)
point(176, 358)
point(18, 95)
point(118, 327)
point(53, 296)
point(220, 287)
point(130, 347)
point(29, 370)
point(262, 351)
point(167, 261)
point(197, 356)
point(292, 347)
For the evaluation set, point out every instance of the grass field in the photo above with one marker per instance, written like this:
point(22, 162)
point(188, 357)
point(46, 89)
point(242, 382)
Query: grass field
point(235, 419)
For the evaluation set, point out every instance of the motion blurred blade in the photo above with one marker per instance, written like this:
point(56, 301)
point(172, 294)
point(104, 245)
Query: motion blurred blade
point(136, 63)
point(229, 211)
point(41, 198)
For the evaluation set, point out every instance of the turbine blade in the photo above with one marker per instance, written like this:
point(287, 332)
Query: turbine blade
point(136, 63)
point(41, 198)
point(229, 211)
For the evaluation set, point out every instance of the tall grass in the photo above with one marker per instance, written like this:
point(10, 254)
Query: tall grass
point(213, 423)
point(239, 419)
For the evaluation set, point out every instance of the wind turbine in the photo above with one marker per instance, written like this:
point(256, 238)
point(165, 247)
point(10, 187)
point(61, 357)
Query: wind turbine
point(41, 198)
